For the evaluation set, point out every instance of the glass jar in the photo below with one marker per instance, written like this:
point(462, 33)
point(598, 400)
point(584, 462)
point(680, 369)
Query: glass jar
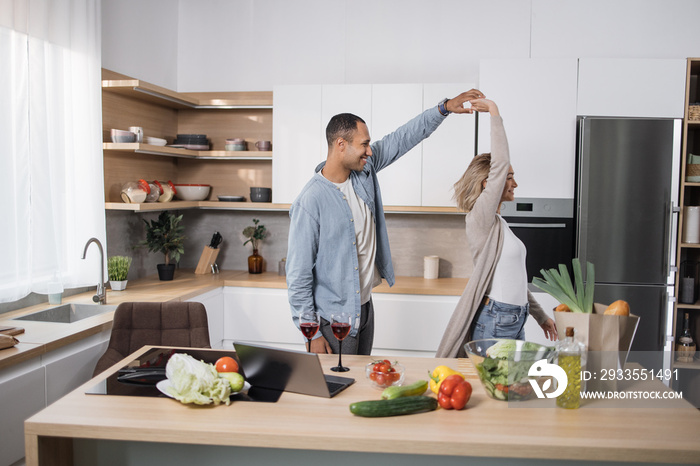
point(135, 192)
point(167, 190)
point(155, 192)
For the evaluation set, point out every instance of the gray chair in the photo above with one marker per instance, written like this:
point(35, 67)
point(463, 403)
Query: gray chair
point(135, 325)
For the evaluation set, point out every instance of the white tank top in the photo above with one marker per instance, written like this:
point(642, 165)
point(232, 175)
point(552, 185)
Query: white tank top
point(509, 284)
point(365, 239)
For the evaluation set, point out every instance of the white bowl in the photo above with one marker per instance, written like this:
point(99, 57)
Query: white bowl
point(155, 141)
point(192, 192)
point(121, 136)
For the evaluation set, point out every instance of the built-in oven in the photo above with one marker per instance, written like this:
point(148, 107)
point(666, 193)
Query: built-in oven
point(546, 227)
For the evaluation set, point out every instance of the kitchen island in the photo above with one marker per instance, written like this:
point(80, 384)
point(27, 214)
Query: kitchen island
point(87, 429)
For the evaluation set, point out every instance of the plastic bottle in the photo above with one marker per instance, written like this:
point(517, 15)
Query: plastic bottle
point(569, 358)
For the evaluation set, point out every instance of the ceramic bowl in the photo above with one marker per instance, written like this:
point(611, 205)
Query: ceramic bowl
point(260, 194)
point(121, 136)
point(192, 192)
point(155, 141)
point(504, 364)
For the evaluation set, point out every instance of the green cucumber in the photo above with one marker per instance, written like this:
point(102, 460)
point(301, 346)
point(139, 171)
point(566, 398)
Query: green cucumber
point(395, 407)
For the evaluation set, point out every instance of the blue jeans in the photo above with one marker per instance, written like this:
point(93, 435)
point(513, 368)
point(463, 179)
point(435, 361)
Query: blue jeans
point(500, 320)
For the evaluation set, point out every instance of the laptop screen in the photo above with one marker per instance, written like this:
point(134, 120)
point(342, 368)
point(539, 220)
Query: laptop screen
point(288, 370)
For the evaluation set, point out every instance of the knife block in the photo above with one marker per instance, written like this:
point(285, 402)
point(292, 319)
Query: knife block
point(206, 260)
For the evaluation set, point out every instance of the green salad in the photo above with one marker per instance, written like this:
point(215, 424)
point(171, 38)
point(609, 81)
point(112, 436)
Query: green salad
point(505, 378)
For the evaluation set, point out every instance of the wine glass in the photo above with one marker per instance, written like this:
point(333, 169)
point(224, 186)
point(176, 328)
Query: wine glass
point(340, 325)
point(308, 324)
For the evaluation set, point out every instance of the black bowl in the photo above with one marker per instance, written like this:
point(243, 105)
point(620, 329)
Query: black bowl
point(260, 194)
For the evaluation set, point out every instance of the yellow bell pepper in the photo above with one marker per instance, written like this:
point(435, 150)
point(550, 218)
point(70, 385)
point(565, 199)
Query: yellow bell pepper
point(439, 374)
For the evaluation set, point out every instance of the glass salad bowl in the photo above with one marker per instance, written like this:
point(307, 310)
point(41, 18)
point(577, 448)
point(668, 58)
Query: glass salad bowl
point(503, 366)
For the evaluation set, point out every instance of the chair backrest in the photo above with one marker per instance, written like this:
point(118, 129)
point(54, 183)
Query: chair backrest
point(176, 323)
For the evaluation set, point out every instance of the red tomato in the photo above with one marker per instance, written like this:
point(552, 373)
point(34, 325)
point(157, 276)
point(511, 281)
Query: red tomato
point(373, 376)
point(381, 367)
point(226, 364)
point(381, 379)
point(387, 362)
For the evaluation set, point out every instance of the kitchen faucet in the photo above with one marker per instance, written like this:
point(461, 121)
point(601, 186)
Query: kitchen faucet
point(101, 296)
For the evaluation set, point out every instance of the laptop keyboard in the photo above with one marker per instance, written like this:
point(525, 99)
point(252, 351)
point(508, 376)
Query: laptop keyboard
point(334, 387)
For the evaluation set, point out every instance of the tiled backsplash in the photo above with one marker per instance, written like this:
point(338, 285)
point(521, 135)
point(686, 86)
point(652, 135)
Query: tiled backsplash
point(412, 236)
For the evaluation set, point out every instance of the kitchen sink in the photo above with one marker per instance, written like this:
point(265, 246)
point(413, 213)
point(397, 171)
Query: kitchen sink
point(68, 313)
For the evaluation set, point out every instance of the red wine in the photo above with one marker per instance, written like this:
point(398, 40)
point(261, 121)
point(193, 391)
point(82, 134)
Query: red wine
point(340, 329)
point(309, 329)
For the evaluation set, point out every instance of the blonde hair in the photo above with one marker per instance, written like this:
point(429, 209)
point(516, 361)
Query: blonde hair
point(469, 186)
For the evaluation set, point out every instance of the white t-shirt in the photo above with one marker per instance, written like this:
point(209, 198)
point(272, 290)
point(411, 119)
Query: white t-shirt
point(509, 284)
point(365, 239)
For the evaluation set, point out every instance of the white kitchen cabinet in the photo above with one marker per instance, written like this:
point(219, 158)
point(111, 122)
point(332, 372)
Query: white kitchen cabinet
point(72, 365)
point(448, 151)
point(213, 302)
point(537, 101)
point(345, 98)
point(410, 325)
point(259, 315)
point(22, 394)
point(299, 143)
point(392, 106)
point(418, 179)
point(653, 88)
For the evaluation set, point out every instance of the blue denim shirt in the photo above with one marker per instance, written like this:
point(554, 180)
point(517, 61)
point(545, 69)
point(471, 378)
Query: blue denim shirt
point(322, 263)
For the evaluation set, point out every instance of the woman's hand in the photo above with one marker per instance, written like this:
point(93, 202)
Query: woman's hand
point(550, 330)
point(484, 105)
point(456, 104)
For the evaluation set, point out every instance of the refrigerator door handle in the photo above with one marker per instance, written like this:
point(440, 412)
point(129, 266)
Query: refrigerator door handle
point(675, 208)
point(671, 242)
point(537, 225)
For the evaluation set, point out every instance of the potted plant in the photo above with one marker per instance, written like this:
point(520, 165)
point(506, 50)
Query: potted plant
point(165, 235)
point(255, 234)
point(117, 270)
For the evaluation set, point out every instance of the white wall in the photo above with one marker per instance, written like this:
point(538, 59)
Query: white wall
point(244, 45)
point(139, 39)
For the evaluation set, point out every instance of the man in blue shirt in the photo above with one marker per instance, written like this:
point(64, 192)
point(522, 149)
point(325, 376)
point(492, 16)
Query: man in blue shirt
point(338, 242)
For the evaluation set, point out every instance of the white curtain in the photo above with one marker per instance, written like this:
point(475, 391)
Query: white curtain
point(51, 183)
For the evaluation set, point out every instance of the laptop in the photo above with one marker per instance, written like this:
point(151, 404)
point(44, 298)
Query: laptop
point(287, 370)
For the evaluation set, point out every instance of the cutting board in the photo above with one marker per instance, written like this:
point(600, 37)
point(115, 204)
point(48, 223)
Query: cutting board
point(12, 331)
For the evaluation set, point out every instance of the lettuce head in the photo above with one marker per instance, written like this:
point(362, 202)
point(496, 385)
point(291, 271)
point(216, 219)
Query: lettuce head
point(193, 381)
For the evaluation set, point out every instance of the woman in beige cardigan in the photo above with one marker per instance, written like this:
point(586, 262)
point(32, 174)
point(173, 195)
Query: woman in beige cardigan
point(496, 301)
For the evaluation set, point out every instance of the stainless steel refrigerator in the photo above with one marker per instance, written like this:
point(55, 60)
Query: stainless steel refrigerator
point(626, 200)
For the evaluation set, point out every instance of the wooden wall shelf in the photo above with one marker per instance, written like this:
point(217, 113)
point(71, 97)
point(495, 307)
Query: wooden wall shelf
point(185, 153)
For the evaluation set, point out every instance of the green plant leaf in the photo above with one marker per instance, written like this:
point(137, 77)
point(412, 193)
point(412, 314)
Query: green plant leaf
point(558, 284)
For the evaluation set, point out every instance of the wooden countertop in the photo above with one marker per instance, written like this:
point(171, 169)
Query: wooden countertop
point(600, 430)
point(42, 337)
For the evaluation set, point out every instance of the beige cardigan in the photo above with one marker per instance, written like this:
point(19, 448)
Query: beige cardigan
point(486, 241)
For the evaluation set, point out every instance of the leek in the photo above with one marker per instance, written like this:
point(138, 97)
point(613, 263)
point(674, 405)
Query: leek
point(558, 284)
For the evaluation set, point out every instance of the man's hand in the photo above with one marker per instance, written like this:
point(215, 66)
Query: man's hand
point(456, 105)
point(484, 105)
point(320, 345)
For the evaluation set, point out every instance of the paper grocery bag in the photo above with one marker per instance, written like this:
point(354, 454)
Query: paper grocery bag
point(607, 338)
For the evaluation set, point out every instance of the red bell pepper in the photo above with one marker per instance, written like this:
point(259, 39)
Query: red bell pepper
point(454, 392)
